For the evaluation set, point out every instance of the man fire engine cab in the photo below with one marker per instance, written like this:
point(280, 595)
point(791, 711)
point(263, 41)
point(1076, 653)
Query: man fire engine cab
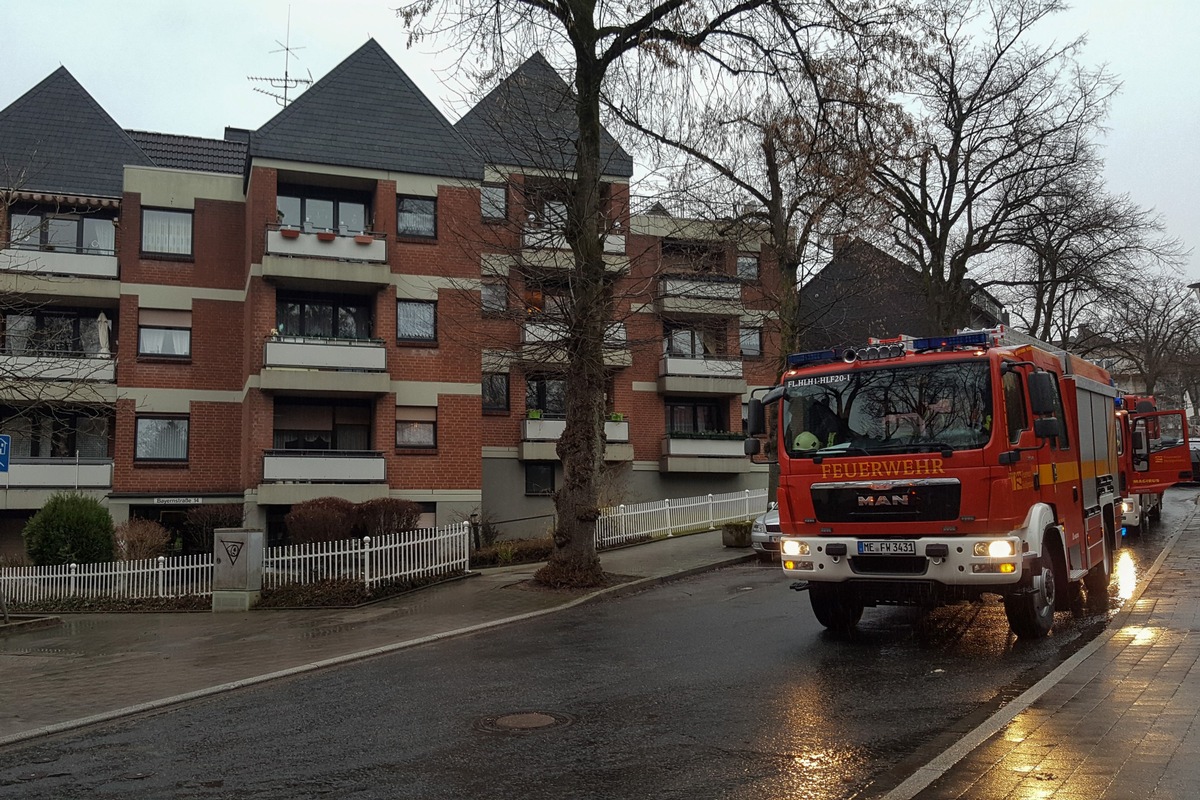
point(925, 471)
point(1146, 435)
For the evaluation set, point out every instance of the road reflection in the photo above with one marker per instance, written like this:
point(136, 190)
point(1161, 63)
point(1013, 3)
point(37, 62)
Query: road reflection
point(1126, 576)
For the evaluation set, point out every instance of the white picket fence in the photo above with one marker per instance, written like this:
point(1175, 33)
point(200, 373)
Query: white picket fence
point(151, 577)
point(401, 556)
point(393, 557)
point(641, 521)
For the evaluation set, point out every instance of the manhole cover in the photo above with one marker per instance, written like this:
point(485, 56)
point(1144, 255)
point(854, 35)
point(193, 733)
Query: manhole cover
point(523, 722)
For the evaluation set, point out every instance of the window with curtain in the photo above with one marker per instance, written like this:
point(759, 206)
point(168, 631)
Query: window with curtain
point(751, 342)
point(416, 427)
point(685, 415)
point(161, 439)
point(493, 202)
point(416, 216)
point(692, 341)
point(747, 266)
point(313, 210)
point(164, 333)
point(323, 318)
point(166, 232)
point(41, 332)
point(321, 426)
point(494, 298)
point(61, 434)
point(416, 321)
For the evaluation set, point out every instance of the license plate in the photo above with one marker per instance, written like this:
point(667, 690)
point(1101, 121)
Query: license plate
point(876, 547)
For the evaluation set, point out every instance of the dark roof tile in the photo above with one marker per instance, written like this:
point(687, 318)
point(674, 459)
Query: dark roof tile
point(192, 152)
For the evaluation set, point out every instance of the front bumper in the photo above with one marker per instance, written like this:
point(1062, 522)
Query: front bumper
point(947, 560)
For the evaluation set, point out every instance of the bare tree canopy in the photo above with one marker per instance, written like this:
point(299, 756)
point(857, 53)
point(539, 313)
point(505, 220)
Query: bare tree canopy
point(999, 123)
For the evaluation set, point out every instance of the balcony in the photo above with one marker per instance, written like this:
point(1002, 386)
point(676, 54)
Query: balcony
point(547, 248)
point(303, 258)
point(59, 473)
point(544, 342)
point(714, 453)
point(75, 368)
point(293, 476)
point(715, 295)
point(323, 367)
point(539, 438)
point(59, 262)
point(700, 375)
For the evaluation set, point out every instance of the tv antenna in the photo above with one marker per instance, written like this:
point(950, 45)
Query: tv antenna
point(279, 87)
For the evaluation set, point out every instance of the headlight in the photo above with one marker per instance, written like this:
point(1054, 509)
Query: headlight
point(758, 527)
point(791, 547)
point(1126, 507)
point(995, 549)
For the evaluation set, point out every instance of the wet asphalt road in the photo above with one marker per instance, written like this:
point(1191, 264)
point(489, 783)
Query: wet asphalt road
point(718, 686)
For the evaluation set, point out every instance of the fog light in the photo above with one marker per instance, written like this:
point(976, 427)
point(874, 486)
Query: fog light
point(791, 547)
point(1008, 568)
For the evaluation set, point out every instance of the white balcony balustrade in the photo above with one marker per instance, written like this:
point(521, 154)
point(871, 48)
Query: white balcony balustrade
point(59, 473)
point(59, 262)
point(300, 352)
point(703, 447)
point(343, 246)
point(80, 367)
point(700, 295)
point(323, 466)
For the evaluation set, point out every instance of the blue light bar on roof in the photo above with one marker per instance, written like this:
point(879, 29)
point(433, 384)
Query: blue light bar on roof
point(979, 339)
point(811, 357)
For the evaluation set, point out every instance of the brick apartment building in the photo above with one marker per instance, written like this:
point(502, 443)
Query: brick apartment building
point(356, 299)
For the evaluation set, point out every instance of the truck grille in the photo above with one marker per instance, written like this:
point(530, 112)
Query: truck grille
point(887, 501)
point(889, 565)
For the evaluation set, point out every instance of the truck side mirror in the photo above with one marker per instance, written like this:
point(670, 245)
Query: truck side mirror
point(752, 447)
point(1047, 428)
point(756, 419)
point(1041, 393)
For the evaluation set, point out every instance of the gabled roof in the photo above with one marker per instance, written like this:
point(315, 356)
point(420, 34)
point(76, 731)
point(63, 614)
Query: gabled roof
point(56, 138)
point(529, 121)
point(367, 113)
point(192, 152)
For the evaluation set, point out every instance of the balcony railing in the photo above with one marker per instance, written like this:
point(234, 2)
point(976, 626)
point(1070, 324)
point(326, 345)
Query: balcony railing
point(59, 262)
point(342, 246)
point(93, 368)
point(549, 238)
point(59, 473)
point(701, 446)
point(551, 430)
point(301, 352)
point(323, 466)
point(708, 366)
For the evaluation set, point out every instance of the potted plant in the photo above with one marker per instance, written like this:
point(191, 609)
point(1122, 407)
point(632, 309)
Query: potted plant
point(289, 233)
point(363, 238)
point(326, 236)
point(616, 416)
point(533, 413)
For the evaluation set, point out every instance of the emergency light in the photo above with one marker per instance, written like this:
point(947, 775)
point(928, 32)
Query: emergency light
point(811, 357)
point(976, 339)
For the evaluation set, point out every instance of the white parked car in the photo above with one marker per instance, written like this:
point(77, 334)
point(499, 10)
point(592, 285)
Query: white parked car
point(764, 534)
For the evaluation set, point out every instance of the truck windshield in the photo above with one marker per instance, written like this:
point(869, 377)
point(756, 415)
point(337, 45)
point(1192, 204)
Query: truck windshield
point(900, 409)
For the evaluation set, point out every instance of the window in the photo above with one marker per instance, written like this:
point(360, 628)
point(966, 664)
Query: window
point(61, 434)
point(679, 255)
point(548, 395)
point(416, 321)
point(539, 478)
point(322, 426)
point(493, 202)
point(751, 342)
point(747, 267)
point(693, 416)
point(416, 216)
point(161, 439)
point(86, 232)
point(37, 332)
point(494, 298)
point(495, 391)
point(693, 341)
point(322, 318)
point(167, 233)
point(165, 334)
point(416, 427)
point(311, 209)
point(1064, 440)
point(1014, 406)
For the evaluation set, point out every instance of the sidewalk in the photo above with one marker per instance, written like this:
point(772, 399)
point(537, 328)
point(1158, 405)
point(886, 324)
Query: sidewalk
point(102, 666)
point(1120, 719)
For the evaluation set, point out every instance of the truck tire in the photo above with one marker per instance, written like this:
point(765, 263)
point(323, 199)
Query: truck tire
point(834, 608)
point(1097, 578)
point(1031, 614)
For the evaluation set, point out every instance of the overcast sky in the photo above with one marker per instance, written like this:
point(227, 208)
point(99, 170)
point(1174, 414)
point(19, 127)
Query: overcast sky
point(182, 68)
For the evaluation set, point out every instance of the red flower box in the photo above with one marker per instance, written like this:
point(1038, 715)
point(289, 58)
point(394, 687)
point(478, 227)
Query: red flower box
point(326, 236)
point(363, 238)
point(289, 233)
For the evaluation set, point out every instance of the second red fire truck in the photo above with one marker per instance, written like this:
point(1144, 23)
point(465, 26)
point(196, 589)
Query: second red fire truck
point(925, 471)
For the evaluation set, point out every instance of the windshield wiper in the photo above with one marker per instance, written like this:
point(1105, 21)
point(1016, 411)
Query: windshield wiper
point(837, 450)
point(914, 447)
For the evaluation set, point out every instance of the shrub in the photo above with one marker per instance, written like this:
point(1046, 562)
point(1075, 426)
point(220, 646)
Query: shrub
point(136, 539)
point(385, 515)
point(202, 520)
point(324, 519)
point(70, 529)
point(513, 551)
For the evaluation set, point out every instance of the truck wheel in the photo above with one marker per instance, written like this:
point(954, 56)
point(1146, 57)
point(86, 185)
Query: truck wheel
point(1031, 614)
point(834, 607)
point(1097, 578)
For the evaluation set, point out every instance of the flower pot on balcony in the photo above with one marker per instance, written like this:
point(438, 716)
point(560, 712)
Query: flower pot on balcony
point(289, 233)
point(616, 416)
point(363, 238)
point(533, 413)
point(326, 236)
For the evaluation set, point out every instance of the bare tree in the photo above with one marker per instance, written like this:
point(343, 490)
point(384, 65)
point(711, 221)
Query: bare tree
point(999, 121)
point(589, 38)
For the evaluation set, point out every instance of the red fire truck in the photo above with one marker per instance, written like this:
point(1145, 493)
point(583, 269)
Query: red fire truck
point(1150, 458)
point(926, 471)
